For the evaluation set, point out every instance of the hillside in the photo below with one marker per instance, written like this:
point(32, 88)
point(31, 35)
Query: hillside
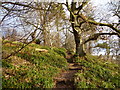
point(31, 68)
point(97, 73)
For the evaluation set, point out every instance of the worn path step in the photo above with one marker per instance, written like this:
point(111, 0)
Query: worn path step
point(66, 78)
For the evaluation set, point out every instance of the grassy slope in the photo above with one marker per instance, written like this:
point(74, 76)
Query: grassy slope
point(30, 68)
point(97, 73)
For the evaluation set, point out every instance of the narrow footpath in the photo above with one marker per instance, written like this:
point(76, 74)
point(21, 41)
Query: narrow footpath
point(66, 78)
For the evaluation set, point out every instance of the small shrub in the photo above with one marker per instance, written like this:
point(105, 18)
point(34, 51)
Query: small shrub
point(60, 51)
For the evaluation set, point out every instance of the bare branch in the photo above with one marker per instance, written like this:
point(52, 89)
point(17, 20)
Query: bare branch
point(24, 5)
point(104, 24)
point(33, 25)
point(99, 24)
point(96, 35)
point(81, 6)
point(7, 14)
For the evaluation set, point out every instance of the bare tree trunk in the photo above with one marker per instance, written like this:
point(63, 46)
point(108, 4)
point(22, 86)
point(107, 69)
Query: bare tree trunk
point(78, 40)
point(79, 46)
point(45, 37)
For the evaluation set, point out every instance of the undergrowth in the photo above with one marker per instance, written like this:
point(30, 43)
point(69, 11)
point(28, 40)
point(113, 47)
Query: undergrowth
point(30, 68)
point(97, 73)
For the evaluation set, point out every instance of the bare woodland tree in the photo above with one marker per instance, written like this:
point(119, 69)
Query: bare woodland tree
point(41, 15)
point(77, 19)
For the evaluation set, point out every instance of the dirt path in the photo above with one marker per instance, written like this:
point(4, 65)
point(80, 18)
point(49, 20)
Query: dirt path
point(66, 78)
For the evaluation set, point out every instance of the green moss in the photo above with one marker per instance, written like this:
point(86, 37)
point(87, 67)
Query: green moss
point(41, 70)
point(6, 64)
point(60, 51)
point(97, 73)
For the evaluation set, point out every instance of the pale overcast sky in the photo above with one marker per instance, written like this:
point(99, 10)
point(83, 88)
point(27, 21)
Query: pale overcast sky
point(99, 2)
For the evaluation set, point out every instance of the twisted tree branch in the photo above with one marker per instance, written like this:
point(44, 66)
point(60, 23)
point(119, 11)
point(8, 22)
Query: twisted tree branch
point(96, 35)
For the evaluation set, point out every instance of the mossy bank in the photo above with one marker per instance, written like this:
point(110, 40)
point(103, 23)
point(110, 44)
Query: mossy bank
point(30, 68)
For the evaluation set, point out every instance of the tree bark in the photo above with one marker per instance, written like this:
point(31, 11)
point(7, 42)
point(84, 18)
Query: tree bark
point(77, 35)
point(78, 41)
point(79, 47)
